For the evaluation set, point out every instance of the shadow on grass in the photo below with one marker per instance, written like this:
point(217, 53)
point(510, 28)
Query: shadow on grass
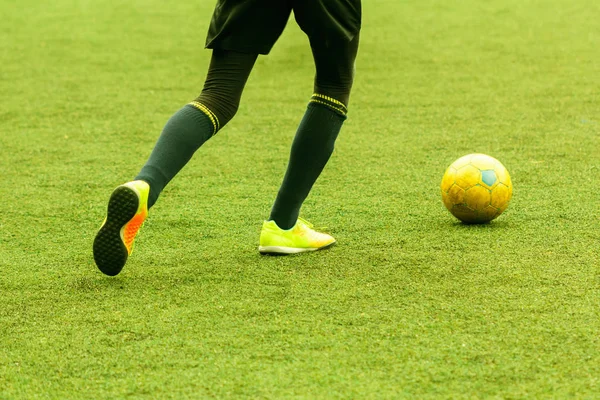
point(225, 269)
point(489, 226)
point(99, 282)
point(325, 248)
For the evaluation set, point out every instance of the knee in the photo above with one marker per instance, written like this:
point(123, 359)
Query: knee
point(335, 67)
point(337, 89)
point(221, 105)
point(335, 79)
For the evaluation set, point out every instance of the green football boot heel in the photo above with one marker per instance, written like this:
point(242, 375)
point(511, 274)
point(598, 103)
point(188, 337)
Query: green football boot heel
point(299, 239)
point(127, 210)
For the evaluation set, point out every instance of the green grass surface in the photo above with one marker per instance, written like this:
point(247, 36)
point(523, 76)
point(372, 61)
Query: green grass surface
point(410, 304)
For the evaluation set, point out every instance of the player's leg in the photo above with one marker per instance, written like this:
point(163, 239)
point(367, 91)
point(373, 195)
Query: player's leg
point(184, 133)
point(319, 128)
point(238, 32)
point(199, 120)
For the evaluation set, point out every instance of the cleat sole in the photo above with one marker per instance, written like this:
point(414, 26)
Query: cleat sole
point(110, 252)
point(279, 250)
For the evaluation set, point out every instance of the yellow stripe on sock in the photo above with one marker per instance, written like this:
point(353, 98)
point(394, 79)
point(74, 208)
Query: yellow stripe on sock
point(211, 115)
point(331, 99)
point(339, 109)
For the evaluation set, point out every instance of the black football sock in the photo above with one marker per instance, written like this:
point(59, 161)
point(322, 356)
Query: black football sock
point(183, 134)
point(311, 149)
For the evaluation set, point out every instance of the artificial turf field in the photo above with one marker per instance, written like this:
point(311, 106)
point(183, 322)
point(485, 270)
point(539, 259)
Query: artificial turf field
point(409, 304)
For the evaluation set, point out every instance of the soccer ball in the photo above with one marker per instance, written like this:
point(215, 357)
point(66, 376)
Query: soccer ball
point(476, 188)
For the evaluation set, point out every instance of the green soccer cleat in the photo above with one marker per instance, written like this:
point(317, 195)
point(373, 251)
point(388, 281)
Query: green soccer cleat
point(127, 210)
point(299, 239)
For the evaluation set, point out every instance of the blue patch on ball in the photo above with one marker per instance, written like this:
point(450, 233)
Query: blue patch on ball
point(488, 177)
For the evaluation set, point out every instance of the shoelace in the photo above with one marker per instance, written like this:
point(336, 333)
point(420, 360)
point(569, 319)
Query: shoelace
point(311, 226)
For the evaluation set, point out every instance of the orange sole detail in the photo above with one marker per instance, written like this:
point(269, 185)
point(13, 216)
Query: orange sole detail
point(110, 251)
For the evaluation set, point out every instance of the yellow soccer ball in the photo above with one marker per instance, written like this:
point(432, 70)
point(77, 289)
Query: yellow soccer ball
point(476, 188)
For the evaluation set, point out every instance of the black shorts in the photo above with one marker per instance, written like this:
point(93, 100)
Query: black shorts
point(253, 26)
